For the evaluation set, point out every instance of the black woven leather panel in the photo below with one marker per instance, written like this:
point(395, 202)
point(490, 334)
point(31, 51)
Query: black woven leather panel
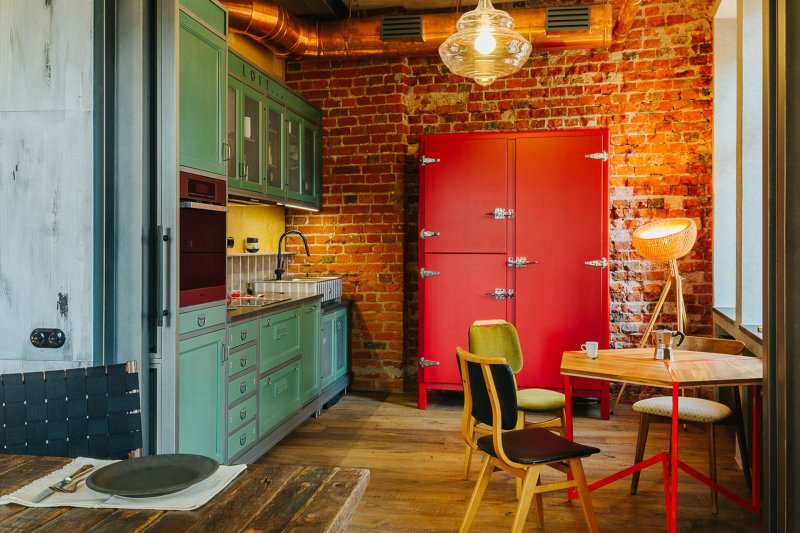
point(88, 412)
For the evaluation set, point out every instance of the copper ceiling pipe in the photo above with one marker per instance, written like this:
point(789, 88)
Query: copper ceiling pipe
point(625, 20)
point(271, 25)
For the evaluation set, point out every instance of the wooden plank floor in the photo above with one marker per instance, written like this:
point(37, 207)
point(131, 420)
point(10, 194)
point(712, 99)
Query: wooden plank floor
point(415, 460)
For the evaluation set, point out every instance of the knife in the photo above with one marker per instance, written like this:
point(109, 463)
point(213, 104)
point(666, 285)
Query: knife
point(49, 490)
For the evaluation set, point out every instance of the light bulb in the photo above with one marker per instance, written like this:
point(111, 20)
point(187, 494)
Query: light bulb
point(485, 42)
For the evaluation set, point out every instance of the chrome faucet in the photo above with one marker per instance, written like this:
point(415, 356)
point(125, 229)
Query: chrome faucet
point(279, 271)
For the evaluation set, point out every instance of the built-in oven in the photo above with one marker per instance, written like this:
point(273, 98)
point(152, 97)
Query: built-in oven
point(202, 239)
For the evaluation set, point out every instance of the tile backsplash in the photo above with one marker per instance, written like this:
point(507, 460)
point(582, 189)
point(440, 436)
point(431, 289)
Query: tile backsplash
point(252, 267)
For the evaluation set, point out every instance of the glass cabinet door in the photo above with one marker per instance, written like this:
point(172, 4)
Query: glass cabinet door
point(252, 139)
point(275, 148)
point(309, 168)
point(231, 146)
point(294, 125)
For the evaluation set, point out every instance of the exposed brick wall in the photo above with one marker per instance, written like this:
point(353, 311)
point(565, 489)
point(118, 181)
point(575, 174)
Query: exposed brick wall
point(653, 94)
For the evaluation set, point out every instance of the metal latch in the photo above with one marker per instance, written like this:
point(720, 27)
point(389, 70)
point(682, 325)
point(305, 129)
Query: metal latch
point(501, 294)
point(519, 262)
point(500, 214)
point(602, 263)
point(425, 160)
point(425, 233)
point(427, 273)
point(424, 362)
point(603, 156)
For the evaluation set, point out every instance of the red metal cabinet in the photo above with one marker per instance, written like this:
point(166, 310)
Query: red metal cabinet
point(553, 212)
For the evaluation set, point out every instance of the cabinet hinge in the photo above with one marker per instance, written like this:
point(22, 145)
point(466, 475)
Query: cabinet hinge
point(501, 214)
point(598, 155)
point(424, 362)
point(425, 160)
point(427, 273)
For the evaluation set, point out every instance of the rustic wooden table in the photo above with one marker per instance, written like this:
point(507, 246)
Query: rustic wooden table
point(263, 498)
point(685, 369)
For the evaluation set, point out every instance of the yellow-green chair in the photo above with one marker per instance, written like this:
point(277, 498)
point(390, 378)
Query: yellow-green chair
point(498, 338)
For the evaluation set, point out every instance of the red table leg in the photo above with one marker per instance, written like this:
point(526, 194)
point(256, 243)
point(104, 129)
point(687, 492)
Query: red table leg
point(672, 503)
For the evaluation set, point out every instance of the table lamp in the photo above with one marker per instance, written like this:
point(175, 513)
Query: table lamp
point(666, 240)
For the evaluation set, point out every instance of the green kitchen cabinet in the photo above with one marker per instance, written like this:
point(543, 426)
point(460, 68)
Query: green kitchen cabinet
point(280, 339)
point(202, 93)
point(309, 377)
point(201, 395)
point(276, 149)
point(278, 397)
point(294, 135)
point(245, 136)
point(334, 346)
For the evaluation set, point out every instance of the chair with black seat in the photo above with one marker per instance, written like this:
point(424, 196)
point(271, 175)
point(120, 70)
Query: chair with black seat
point(498, 338)
point(696, 410)
point(81, 412)
point(490, 397)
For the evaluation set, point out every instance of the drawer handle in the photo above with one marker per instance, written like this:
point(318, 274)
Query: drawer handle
point(243, 414)
point(243, 386)
point(201, 320)
point(243, 361)
point(269, 381)
point(269, 321)
point(243, 334)
point(242, 439)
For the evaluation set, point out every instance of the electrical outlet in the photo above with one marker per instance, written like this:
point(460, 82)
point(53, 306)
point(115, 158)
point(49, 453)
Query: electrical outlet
point(48, 338)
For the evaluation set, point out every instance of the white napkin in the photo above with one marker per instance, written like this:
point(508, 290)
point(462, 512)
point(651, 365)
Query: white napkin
point(184, 500)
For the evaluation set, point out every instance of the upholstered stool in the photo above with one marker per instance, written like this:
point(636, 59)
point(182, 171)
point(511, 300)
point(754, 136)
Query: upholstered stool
point(695, 410)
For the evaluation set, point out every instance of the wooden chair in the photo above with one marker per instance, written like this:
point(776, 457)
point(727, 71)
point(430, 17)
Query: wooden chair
point(498, 338)
point(696, 410)
point(490, 396)
point(82, 412)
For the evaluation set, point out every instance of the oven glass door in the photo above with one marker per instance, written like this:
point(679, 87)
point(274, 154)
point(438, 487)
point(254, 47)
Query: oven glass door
point(202, 256)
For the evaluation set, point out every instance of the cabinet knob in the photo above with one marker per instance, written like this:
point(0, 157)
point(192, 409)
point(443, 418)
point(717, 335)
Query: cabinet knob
point(243, 361)
point(243, 334)
point(243, 414)
point(243, 386)
point(243, 439)
point(201, 320)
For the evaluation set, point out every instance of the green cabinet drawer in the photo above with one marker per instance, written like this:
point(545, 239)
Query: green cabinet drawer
point(278, 398)
point(310, 360)
point(241, 439)
point(240, 387)
point(202, 318)
point(243, 412)
point(242, 360)
point(280, 338)
point(242, 332)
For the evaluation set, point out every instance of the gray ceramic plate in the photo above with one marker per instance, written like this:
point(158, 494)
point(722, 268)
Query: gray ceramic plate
point(152, 475)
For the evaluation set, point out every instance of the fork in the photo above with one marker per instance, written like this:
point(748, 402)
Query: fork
point(70, 483)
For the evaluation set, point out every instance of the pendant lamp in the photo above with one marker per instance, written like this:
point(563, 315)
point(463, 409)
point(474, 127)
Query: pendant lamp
point(485, 46)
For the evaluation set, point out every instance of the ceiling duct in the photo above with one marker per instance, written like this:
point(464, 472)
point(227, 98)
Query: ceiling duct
point(271, 25)
point(401, 27)
point(567, 18)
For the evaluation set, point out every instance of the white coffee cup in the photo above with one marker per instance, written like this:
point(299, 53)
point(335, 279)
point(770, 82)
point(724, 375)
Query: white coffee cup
point(590, 347)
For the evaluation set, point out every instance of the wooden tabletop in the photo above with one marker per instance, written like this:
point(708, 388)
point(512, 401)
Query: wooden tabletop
point(263, 498)
point(689, 369)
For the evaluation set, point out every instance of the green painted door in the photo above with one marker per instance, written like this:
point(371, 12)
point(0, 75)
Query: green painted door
point(252, 139)
point(341, 344)
point(276, 180)
point(203, 82)
point(327, 351)
point(309, 377)
point(201, 395)
point(232, 143)
point(278, 397)
point(310, 168)
point(294, 134)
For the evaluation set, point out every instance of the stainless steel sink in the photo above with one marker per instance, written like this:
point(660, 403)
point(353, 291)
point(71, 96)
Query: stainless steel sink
point(299, 279)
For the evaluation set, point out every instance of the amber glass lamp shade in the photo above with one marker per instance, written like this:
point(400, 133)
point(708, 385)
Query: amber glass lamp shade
point(485, 46)
point(665, 240)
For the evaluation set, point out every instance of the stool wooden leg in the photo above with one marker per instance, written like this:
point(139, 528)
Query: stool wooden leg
point(712, 465)
point(641, 442)
point(741, 437)
point(583, 493)
point(524, 503)
point(563, 418)
point(468, 454)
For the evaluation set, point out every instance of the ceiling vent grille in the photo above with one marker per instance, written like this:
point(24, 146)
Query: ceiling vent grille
point(401, 27)
point(567, 18)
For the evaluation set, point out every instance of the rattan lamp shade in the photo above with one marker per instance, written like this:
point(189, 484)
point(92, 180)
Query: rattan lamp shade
point(665, 240)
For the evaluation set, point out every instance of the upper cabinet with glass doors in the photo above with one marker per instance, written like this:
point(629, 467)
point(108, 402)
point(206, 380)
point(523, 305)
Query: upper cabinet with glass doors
point(286, 167)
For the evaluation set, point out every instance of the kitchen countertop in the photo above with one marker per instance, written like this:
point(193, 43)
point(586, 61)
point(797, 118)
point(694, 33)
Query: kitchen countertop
point(245, 311)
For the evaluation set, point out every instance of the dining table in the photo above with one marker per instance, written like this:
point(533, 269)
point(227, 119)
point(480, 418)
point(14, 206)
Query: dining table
point(685, 369)
point(264, 497)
